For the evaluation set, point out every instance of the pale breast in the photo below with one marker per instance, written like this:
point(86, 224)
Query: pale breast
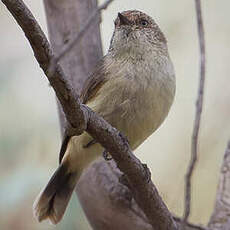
point(135, 101)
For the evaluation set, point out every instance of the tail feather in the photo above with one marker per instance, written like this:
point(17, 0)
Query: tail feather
point(52, 201)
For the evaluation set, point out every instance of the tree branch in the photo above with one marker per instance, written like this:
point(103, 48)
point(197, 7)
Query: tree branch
point(81, 117)
point(199, 107)
point(220, 217)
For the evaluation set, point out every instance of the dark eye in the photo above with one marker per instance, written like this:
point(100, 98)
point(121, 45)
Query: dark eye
point(144, 22)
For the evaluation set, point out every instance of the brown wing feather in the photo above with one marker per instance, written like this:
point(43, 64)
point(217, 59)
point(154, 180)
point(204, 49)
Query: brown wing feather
point(94, 83)
point(91, 87)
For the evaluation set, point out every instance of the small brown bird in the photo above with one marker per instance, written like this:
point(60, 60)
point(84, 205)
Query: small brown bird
point(132, 87)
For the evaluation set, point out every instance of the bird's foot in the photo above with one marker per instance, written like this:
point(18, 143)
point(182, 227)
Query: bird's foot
point(106, 155)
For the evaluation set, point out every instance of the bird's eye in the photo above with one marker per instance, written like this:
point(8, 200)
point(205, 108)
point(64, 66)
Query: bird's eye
point(144, 22)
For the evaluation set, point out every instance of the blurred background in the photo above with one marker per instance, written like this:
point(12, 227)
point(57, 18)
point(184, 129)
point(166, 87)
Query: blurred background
point(29, 128)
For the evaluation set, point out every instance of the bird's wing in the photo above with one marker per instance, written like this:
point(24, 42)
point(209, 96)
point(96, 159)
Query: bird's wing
point(93, 83)
point(91, 87)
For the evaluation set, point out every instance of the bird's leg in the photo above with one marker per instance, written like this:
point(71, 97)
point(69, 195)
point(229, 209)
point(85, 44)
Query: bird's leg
point(106, 155)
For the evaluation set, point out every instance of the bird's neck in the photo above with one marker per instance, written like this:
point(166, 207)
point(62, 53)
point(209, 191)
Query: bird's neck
point(137, 52)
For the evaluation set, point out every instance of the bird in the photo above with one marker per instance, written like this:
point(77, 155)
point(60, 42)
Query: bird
point(132, 87)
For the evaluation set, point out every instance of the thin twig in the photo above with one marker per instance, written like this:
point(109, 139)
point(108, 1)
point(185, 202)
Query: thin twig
point(82, 31)
point(199, 107)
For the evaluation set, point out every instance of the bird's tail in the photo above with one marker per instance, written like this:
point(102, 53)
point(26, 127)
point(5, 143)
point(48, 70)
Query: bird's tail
point(52, 201)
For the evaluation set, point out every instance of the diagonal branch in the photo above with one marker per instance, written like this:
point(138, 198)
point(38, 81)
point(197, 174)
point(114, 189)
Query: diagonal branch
point(81, 117)
point(199, 107)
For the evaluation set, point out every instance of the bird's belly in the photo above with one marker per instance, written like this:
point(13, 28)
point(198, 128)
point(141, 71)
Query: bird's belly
point(136, 117)
point(135, 108)
point(139, 126)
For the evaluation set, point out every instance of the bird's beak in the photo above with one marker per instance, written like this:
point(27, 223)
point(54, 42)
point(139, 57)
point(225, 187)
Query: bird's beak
point(123, 20)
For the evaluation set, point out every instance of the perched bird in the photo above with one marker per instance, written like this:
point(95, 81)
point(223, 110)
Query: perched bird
point(132, 88)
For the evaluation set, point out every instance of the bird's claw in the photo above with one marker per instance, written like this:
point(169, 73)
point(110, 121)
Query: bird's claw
point(107, 156)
